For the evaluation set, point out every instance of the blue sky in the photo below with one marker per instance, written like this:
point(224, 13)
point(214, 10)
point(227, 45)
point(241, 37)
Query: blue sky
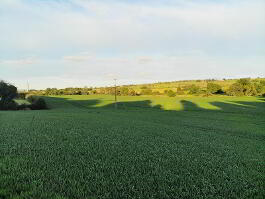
point(63, 43)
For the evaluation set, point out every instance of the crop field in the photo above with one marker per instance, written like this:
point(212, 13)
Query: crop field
point(150, 147)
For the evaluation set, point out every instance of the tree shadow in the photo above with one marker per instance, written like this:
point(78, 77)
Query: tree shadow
point(190, 106)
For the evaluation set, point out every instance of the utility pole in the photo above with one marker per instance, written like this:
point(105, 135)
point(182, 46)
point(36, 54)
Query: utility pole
point(115, 94)
point(28, 85)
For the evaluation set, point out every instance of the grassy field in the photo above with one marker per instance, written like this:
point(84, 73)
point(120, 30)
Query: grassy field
point(150, 147)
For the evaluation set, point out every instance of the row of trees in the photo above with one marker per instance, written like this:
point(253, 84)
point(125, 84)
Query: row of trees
point(243, 87)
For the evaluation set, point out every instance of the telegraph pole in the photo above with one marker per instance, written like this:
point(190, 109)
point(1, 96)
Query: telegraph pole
point(28, 85)
point(115, 94)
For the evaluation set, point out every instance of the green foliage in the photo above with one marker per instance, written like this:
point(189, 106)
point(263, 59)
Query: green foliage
point(131, 92)
point(7, 94)
point(7, 91)
point(124, 91)
point(37, 103)
point(146, 91)
point(171, 93)
point(235, 89)
point(243, 87)
point(180, 91)
point(193, 89)
point(21, 95)
point(214, 88)
point(182, 88)
point(8, 105)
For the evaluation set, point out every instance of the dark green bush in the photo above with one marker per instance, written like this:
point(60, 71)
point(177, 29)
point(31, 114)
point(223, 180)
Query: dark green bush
point(31, 98)
point(22, 106)
point(8, 105)
point(21, 95)
point(38, 104)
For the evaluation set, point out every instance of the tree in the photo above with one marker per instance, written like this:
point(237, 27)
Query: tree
point(194, 89)
point(7, 94)
point(235, 89)
point(171, 93)
point(7, 91)
point(242, 87)
point(214, 88)
point(124, 91)
point(180, 91)
point(132, 92)
point(147, 91)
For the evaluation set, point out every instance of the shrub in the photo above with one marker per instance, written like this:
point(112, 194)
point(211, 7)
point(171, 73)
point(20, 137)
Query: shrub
point(132, 92)
point(235, 89)
point(31, 98)
point(21, 95)
point(22, 106)
point(38, 104)
point(171, 93)
point(147, 91)
point(250, 90)
point(8, 105)
point(156, 93)
point(242, 87)
point(214, 88)
point(194, 89)
point(180, 91)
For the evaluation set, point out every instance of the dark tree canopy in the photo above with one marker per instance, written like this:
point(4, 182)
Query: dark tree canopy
point(7, 91)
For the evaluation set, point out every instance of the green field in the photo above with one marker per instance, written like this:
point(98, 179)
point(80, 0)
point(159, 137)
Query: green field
point(150, 147)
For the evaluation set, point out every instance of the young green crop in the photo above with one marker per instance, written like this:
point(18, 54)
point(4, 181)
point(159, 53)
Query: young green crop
point(150, 147)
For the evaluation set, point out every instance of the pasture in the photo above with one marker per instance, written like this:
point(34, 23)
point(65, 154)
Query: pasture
point(150, 147)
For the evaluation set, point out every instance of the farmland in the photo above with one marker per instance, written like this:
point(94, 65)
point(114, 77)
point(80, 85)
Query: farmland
point(150, 147)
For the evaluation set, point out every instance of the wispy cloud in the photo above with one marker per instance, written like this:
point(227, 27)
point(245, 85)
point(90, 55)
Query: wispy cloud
point(19, 62)
point(169, 39)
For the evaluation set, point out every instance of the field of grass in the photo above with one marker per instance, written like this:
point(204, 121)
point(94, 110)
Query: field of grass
point(150, 147)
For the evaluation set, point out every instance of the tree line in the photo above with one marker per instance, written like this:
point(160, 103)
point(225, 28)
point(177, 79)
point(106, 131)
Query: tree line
point(242, 87)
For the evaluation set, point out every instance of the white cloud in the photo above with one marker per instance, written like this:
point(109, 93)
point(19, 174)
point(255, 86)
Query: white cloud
point(133, 27)
point(18, 62)
point(135, 41)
